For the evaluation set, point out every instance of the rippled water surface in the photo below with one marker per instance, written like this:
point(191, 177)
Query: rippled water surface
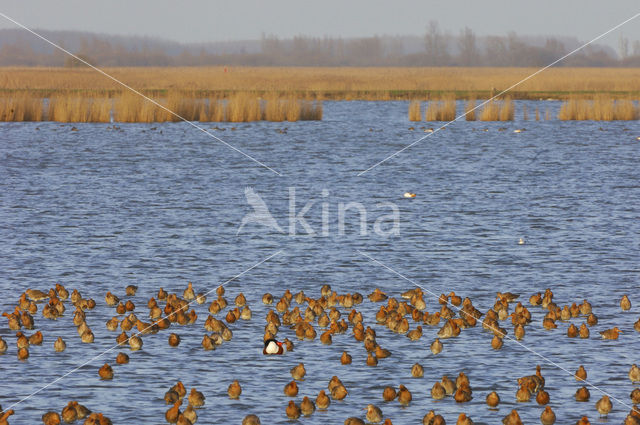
point(159, 205)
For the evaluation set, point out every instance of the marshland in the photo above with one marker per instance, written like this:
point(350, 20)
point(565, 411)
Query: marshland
point(100, 206)
point(146, 264)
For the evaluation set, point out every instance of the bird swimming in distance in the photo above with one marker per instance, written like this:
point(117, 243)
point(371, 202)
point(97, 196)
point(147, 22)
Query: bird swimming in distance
point(409, 195)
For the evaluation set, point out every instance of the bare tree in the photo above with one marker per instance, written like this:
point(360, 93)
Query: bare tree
point(623, 47)
point(436, 46)
point(468, 50)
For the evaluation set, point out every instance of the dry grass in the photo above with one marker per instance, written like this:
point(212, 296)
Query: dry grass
point(415, 111)
point(129, 107)
point(498, 110)
point(441, 110)
point(334, 83)
point(599, 109)
point(470, 110)
point(21, 107)
point(79, 109)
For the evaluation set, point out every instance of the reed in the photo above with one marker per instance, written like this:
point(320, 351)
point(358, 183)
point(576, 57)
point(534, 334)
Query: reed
point(537, 114)
point(415, 111)
point(470, 110)
point(498, 110)
point(626, 110)
point(129, 107)
point(374, 83)
point(441, 110)
point(599, 109)
point(507, 110)
point(72, 108)
point(525, 113)
point(23, 107)
point(490, 112)
point(311, 110)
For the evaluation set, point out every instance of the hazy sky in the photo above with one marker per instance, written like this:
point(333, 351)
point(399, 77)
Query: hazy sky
point(213, 20)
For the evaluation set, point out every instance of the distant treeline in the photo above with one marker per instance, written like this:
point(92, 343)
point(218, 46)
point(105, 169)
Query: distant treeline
point(435, 48)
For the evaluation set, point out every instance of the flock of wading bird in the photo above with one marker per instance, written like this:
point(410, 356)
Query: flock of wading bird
point(396, 315)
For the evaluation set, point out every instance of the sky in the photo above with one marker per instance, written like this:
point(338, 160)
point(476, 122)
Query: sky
point(214, 20)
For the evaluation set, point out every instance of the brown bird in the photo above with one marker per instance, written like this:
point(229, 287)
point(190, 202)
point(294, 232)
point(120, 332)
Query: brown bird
point(583, 421)
point(625, 304)
point(512, 418)
point(572, 331)
point(448, 384)
point(581, 374)
point(496, 342)
point(604, 405)
point(189, 414)
point(493, 399)
point(432, 419)
point(523, 395)
point(322, 401)
point(345, 358)
point(172, 414)
point(251, 420)
point(171, 397)
point(389, 394)
point(462, 394)
point(415, 334)
point(196, 398)
point(307, 407)
point(234, 390)
point(463, 419)
point(69, 413)
point(291, 389)
point(51, 418)
point(542, 397)
point(106, 372)
point(298, 372)
point(436, 346)
point(582, 394)
point(547, 417)
point(122, 358)
point(372, 360)
point(437, 391)
point(59, 345)
point(174, 340)
point(374, 414)
point(611, 333)
point(584, 331)
point(404, 395)
point(634, 374)
point(292, 411)
point(417, 371)
point(339, 392)
point(353, 420)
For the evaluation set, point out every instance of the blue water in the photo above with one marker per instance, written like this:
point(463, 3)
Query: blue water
point(159, 205)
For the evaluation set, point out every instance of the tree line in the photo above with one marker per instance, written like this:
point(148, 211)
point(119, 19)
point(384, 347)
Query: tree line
point(435, 48)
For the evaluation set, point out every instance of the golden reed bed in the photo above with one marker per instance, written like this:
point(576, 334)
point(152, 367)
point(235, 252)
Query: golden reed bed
point(334, 83)
point(273, 93)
